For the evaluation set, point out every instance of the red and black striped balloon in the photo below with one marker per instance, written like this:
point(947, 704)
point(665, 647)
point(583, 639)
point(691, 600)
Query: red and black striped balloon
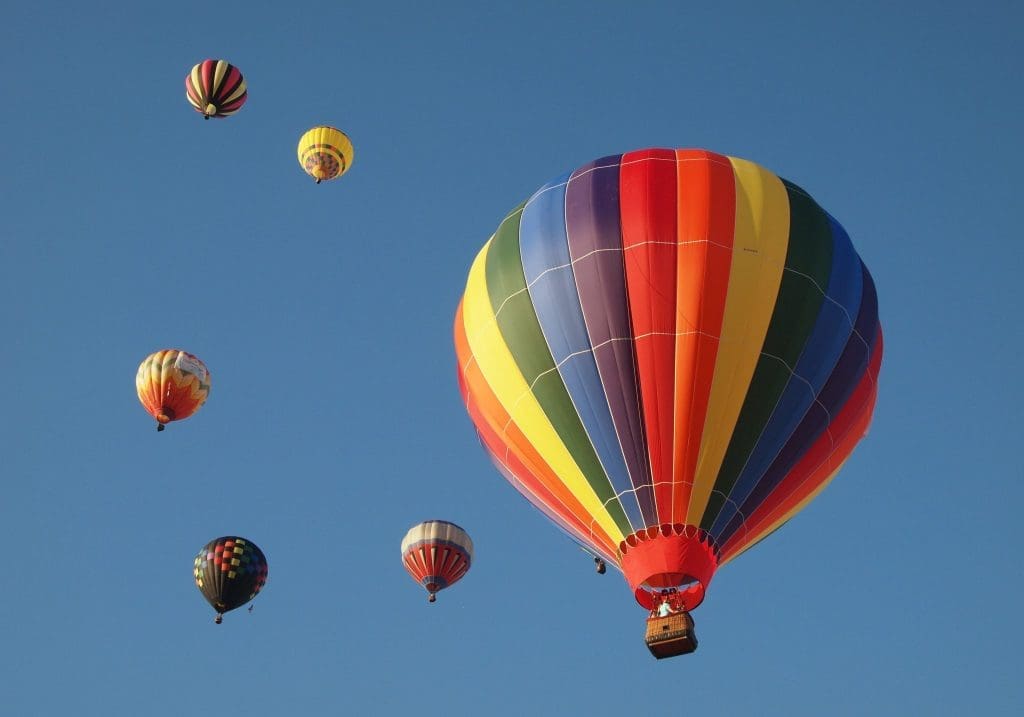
point(215, 88)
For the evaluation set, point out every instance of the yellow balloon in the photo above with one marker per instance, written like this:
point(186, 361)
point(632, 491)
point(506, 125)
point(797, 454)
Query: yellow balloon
point(325, 153)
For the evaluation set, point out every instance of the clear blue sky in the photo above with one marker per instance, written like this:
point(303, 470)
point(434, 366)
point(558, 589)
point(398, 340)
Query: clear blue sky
point(127, 224)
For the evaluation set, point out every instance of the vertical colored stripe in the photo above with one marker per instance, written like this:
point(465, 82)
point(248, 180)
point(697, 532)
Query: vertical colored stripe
point(554, 286)
point(808, 261)
point(706, 215)
point(759, 250)
point(841, 293)
point(220, 69)
point(593, 224)
point(595, 245)
point(207, 73)
point(648, 214)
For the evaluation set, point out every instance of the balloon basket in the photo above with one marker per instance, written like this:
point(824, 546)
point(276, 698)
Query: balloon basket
point(671, 635)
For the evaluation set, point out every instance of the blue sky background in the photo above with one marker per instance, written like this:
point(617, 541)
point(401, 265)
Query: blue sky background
point(127, 224)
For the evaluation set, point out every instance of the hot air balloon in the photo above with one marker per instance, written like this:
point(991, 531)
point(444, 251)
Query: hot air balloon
point(215, 88)
point(437, 554)
point(172, 385)
point(669, 353)
point(325, 153)
point(229, 572)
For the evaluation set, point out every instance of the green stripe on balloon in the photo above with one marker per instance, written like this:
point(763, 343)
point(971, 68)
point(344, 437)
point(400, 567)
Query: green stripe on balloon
point(520, 329)
point(801, 292)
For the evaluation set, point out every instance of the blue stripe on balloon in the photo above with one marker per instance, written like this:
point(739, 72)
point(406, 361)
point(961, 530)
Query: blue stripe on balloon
point(544, 248)
point(820, 354)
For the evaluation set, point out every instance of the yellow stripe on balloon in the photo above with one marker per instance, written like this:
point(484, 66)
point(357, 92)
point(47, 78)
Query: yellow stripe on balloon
point(197, 79)
point(758, 258)
point(239, 91)
point(499, 369)
point(220, 69)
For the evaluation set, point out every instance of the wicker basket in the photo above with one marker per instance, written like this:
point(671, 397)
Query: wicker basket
point(671, 635)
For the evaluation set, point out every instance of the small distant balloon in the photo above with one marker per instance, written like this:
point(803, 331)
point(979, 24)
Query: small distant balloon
point(229, 572)
point(437, 554)
point(172, 385)
point(325, 153)
point(216, 88)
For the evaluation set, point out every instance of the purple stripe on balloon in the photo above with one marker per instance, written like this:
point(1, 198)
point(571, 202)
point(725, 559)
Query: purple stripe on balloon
point(595, 245)
point(548, 270)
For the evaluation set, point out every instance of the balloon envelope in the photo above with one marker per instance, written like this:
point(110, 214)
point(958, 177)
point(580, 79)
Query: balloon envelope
point(325, 153)
point(437, 554)
point(172, 385)
point(229, 572)
point(215, 88)
point(669, 353)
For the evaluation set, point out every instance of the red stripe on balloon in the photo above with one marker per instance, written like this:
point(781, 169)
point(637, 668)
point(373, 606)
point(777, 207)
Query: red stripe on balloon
point(647, 196)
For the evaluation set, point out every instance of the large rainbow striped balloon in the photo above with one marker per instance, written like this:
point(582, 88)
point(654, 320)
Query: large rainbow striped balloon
point(669, 353)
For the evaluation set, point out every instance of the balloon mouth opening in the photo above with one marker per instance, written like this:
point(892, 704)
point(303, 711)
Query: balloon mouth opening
point(677, 561)
point(682, 591)
point(666, 581)
point(209, 111)
point(165, 415)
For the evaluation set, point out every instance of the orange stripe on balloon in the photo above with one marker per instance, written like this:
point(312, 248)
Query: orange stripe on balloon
point(706, 220)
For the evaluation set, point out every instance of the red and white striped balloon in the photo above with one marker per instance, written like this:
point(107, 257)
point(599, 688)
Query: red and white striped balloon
point(437, 554)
